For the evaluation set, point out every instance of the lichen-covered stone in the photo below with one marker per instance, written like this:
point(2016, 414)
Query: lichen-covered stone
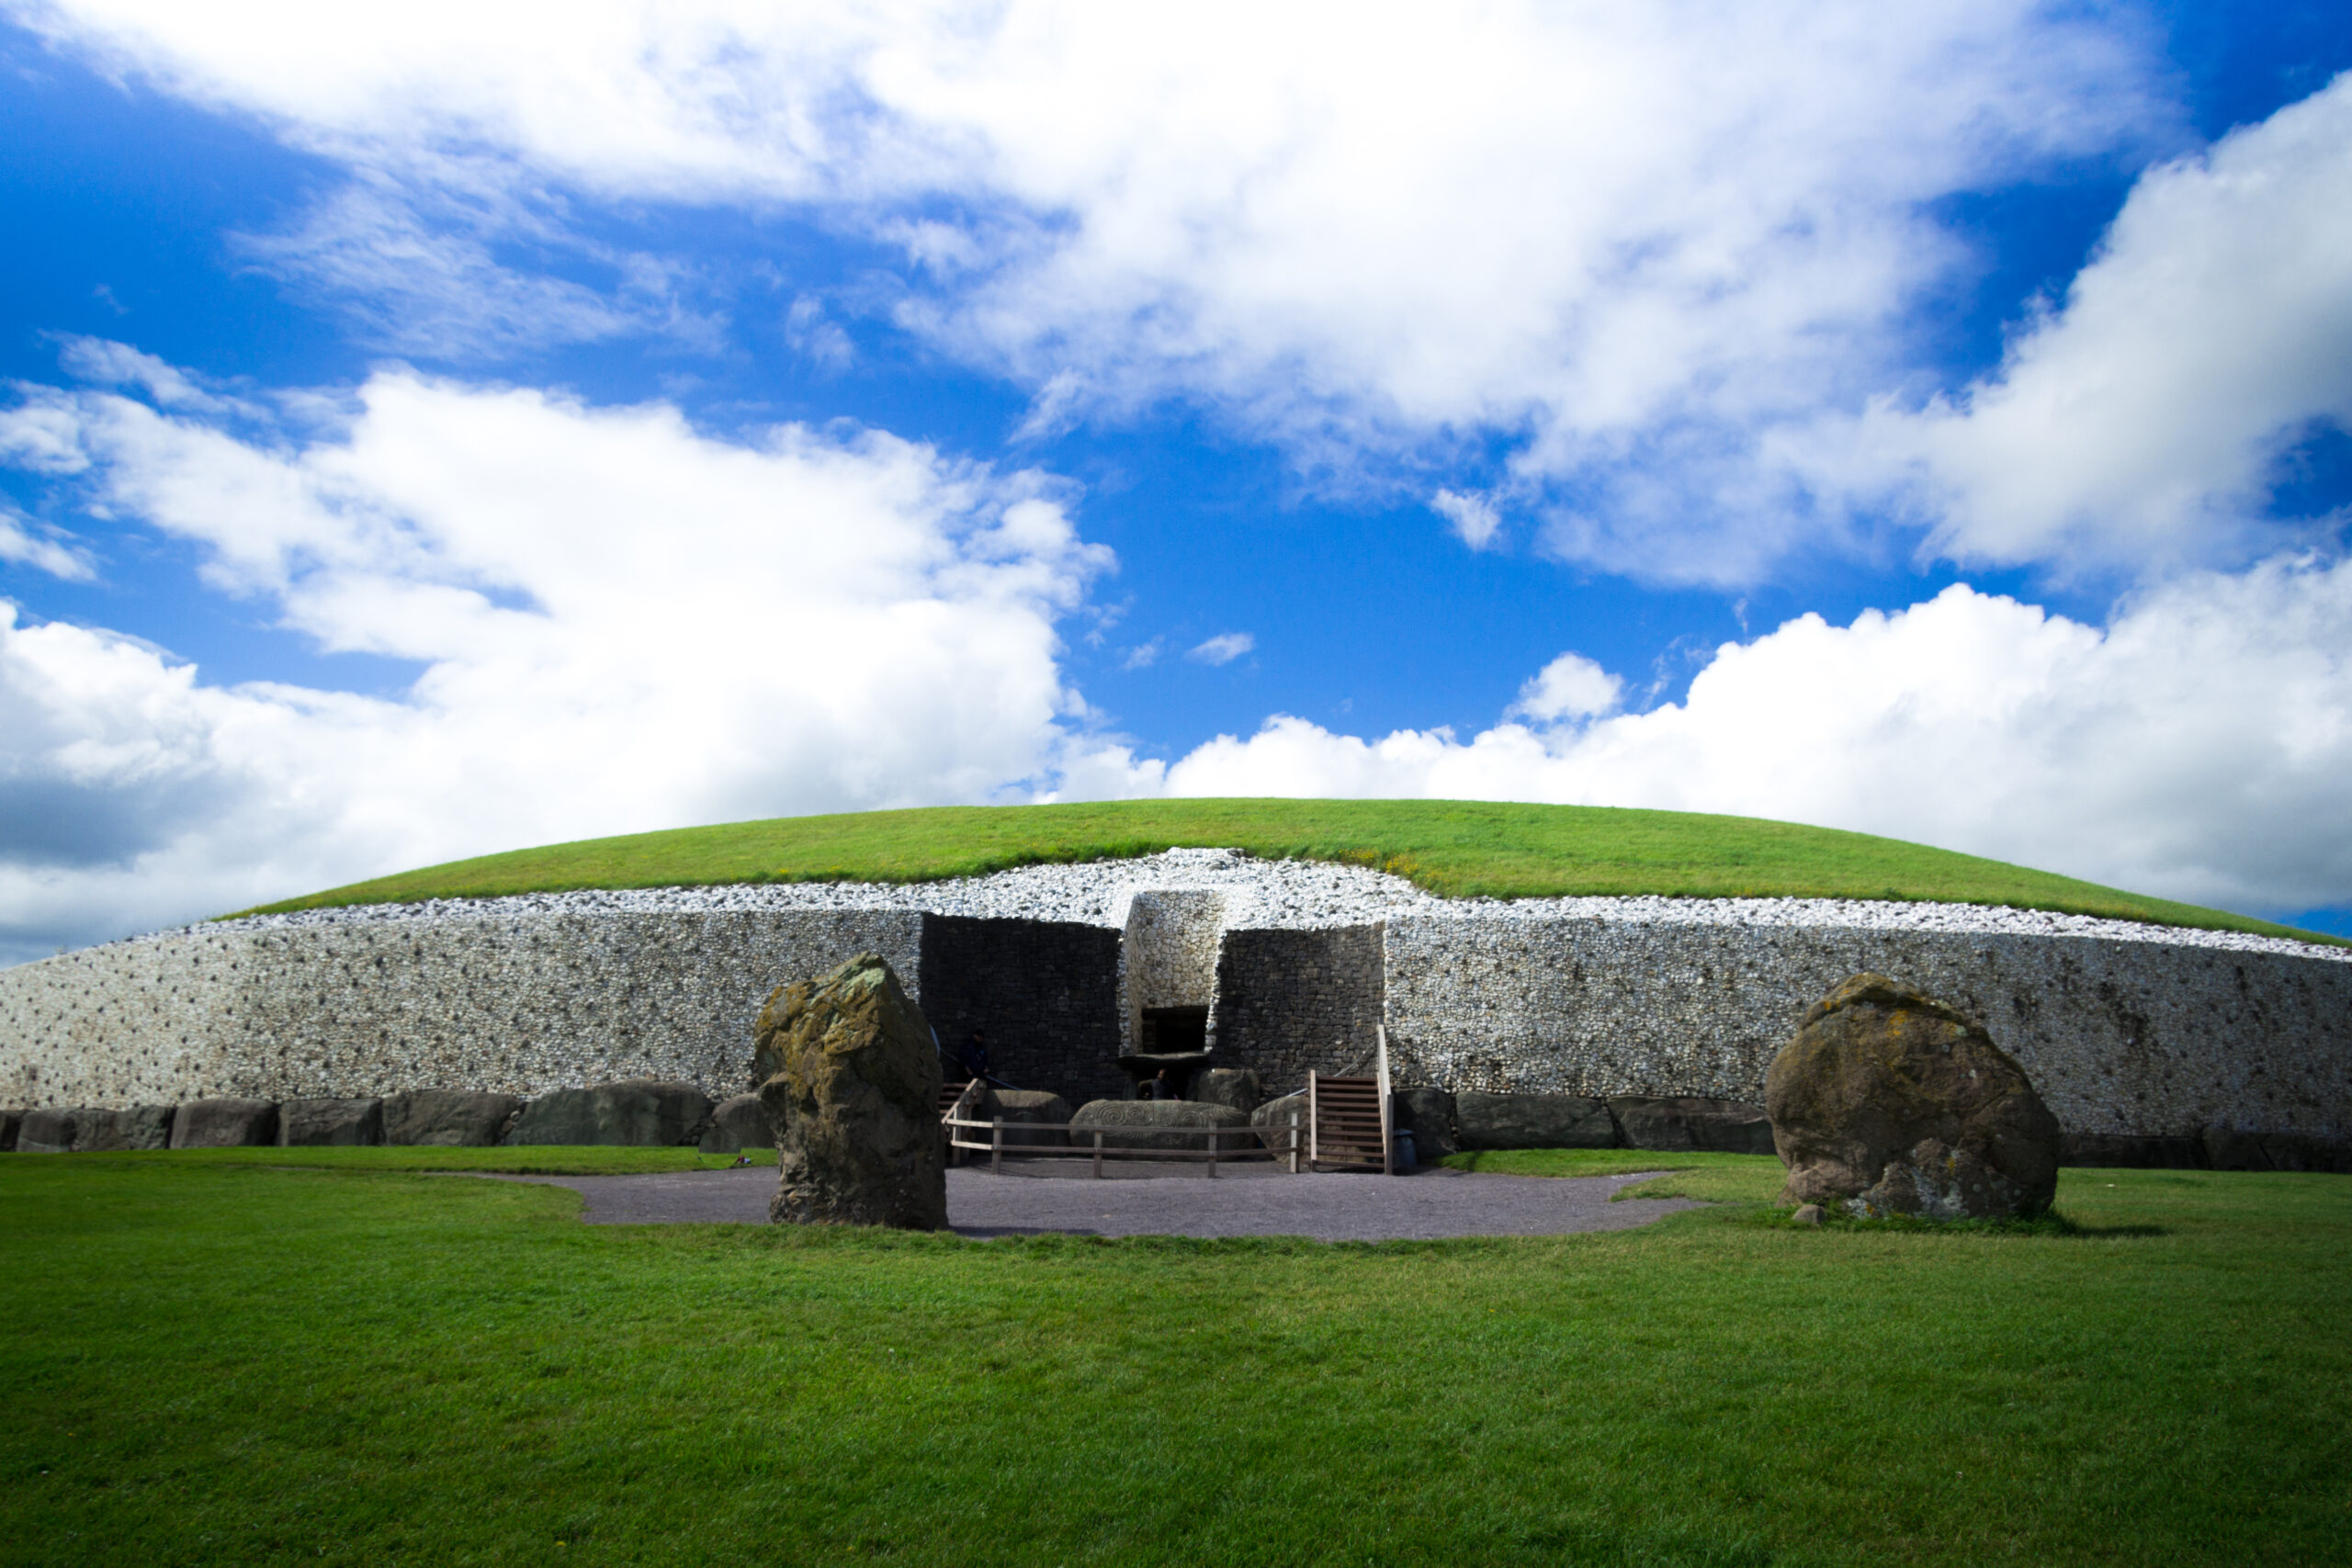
point(1130, 1123)
point(855, 1094)
point(739, 1123)
point(1891, 1102)
point(330, 1124)
point(226, 1124)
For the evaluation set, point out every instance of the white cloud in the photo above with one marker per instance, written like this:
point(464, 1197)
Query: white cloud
point(27, 544)
point(1224, 648)
point(1570, 687)
point(619, 623)
point(2200, 747)
point(1640, 243)
point(2140, 422)
point(1474, 517)
point(1143, 656)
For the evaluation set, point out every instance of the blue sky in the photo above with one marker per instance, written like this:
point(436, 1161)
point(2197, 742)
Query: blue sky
point(432, 432)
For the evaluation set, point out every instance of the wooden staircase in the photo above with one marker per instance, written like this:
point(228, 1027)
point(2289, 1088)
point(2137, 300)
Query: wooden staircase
point(1346, 1119)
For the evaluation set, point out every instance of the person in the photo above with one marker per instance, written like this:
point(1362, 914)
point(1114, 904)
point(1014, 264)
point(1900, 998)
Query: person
point(1163, 1087)
point(974, 1057)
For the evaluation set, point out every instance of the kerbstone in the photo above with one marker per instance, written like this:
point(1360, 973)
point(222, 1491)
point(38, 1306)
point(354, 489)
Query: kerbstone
point(46, 1133)
point(633, 1112)
point(739, 1123)
point(11, 1123)
point(1021, 1109)
point(448, 1118)
point(1149, 1123)
point(225, 1124)
point(138, 1127)
point(1717, 1126)
point(331, 1123)
point(1533, 1122)
point(2121, 1151)
point(1429, 1116)
point(1236, 1087)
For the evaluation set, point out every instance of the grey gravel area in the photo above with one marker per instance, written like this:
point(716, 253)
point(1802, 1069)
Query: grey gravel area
point(1294, 894)
point(1056, 1197)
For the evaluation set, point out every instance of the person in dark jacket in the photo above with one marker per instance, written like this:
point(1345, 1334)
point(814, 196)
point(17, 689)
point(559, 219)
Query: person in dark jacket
point(974, 1057)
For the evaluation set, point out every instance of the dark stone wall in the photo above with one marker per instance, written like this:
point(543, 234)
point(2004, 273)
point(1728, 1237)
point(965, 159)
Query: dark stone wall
point(1291, 1001)
point(1046, 992)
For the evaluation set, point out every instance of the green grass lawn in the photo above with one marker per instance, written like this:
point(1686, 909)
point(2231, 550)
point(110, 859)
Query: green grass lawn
point(1454, 847)
point(212, 1360)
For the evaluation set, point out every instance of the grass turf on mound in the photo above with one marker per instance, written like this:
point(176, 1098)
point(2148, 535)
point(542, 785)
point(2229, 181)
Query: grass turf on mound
point(1453, 848)
point(235, 1362)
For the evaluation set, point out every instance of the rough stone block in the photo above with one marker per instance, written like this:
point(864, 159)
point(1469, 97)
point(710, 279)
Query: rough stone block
point(1533, 1122)
point(226, 1124)
point(1718, 1126)
point(1272, 1121)
point(141, 1127)
point(635, 1111)
point(2225, 1150)
point(1237, 1087)
point(46, 1133)
point(738, 1123)
point(2298, 1151)
point(1429, 1116)
point(448, 1118)
point(2123, 1151)
point(330, 1124)
point(856, 1095)
point(11, 1123)
point(1129, 1123)
point(1019, 1106)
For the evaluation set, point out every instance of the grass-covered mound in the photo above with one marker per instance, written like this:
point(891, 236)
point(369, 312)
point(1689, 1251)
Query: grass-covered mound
point(1453, 848)
point(216, 1362)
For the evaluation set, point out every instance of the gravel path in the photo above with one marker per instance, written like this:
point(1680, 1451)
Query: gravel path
point(1056, 1196)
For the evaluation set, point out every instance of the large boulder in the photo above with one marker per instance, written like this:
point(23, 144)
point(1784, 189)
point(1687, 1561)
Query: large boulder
point(1891, 1102)
point(1019, 1108)
point(1429, 1114)
point(1237, 1087)
point(139, 1127)
point(1719, 1127)
point(448, 1118)
point(330, 1124)
point(855, 1097)
point(635, 1111)
point(1533, 1122)
point(738, 1122)
point(1272, 1121)
point(11, 1123)
point(225, 1124)
point(1150, 1123)
point(46, 1133)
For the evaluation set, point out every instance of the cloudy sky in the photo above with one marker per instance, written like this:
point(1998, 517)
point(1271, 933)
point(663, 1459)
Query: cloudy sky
point(439, 428)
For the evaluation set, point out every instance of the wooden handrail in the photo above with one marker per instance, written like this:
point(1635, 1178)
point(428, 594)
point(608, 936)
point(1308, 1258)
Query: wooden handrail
point(996, 1126)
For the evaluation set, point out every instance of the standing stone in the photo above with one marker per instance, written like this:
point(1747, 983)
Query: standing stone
point(141, 1127)
point(1428, 1114)
point(330, 1124)
point(1533, 1122)
point(855, 1097)
point(449, 1118)
point(739, 1123)
point(225, 1125)
point(1892, 1102)
point(46, 1133)
point(634, 1113)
